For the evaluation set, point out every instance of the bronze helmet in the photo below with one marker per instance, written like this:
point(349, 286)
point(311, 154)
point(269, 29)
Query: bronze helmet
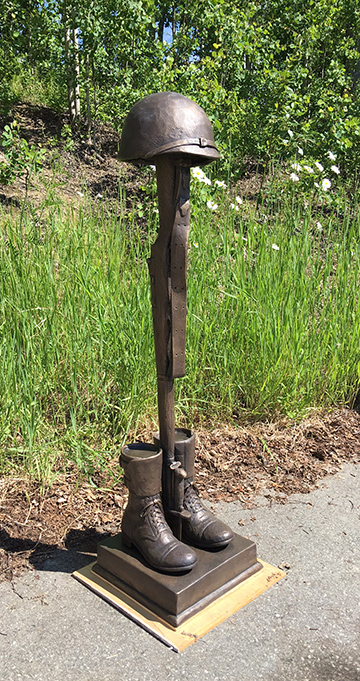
point(167, 123)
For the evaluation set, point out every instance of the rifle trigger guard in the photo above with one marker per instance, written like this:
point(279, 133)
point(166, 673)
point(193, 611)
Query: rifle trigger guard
point(184, 208)
point(179, 472)
point(184, 515)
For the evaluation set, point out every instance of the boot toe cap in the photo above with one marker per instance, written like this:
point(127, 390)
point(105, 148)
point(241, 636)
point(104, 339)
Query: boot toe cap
point(210, 534)
point(218, 534)
point(181, 558)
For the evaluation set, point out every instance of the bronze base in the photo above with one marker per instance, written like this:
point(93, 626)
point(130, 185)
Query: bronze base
point(175, 598)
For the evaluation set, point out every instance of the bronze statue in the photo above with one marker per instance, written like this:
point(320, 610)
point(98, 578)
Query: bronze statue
point(174, 133)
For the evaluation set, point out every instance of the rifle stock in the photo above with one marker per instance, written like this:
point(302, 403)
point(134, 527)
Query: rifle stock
point(167, 268)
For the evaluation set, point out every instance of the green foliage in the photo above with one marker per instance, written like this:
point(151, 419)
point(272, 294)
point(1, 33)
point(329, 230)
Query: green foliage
point(41, 90)
point(257, 69)
point(67, 138)
point(17, 157)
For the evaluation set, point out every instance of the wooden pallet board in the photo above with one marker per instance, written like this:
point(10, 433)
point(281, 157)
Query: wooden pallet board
point(195, 627)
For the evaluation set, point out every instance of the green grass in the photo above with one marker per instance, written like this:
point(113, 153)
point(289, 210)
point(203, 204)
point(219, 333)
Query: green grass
point(269, 331)
point(275, 331)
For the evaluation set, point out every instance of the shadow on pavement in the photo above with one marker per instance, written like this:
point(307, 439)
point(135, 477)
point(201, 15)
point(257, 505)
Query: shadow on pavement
point(79, 550)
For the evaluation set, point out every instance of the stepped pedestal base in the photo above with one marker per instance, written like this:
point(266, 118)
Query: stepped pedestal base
point(175, 598)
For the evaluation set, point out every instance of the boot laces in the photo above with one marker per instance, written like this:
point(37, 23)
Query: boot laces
point(192, 499)
point(153, 510)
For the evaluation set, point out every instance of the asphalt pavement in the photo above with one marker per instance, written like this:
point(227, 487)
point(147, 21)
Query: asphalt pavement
point(305, 628)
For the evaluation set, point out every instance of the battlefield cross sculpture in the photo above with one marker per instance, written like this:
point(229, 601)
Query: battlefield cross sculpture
point(165, 516)
point(172, 557)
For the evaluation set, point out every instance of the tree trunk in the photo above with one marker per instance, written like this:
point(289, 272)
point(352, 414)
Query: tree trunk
point(75, 36)
point(88, 106)
point(173, 22)
point(161, 27)
point(95, 103)
point(69, 74)
point(30, 50)
point(356, 72)
point(72, 65)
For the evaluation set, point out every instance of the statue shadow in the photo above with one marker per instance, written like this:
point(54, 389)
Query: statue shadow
point(79, 550)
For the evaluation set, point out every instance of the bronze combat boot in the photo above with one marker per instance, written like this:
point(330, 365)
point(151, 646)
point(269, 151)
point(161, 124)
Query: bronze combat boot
point(143, 523)
point(203, 529)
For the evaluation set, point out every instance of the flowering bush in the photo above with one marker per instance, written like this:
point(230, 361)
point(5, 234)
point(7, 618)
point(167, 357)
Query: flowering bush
point(213, 194)
point(311, 174)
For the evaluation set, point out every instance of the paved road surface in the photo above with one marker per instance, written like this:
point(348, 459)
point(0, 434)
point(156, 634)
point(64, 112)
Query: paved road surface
point(306, 628)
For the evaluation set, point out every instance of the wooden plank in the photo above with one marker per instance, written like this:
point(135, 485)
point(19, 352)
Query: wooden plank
point(198, 625)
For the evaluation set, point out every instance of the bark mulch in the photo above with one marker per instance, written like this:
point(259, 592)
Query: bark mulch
point(278, 459)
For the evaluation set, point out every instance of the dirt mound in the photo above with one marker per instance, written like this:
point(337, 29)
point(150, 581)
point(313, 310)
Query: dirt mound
point(73, 163)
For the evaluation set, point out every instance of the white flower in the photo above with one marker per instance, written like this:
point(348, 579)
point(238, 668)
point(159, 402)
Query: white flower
point(220, 183)
point(290, 133)
point(296, 166)
point(197, 172)
point(211, 205)
point(310, 170)
point(234, 207)
point(285, 142)
point(80, 193)
point(152, 168)
point(319, 225)
point(199, 175)
point(156, 210)
point(195, 244)
point(98, 196)
point(319, 166)
point(238, 200)
point(326, 184)
point(316, 184)
point(300, 151)
point(335, 169)
point(275, 247)
point(331, 156)
point(294, 177)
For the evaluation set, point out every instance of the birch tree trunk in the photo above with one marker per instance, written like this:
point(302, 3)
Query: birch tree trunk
point(75, 36)
point(72, 65)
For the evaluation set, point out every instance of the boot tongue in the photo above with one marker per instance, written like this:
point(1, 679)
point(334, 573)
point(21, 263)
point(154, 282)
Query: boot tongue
point(149, 503)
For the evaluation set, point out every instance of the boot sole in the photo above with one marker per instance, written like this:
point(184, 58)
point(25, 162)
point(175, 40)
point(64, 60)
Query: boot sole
point(129, 543)
point(206, 547)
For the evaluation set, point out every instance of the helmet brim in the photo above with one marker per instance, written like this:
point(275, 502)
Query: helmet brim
point(194, 155)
